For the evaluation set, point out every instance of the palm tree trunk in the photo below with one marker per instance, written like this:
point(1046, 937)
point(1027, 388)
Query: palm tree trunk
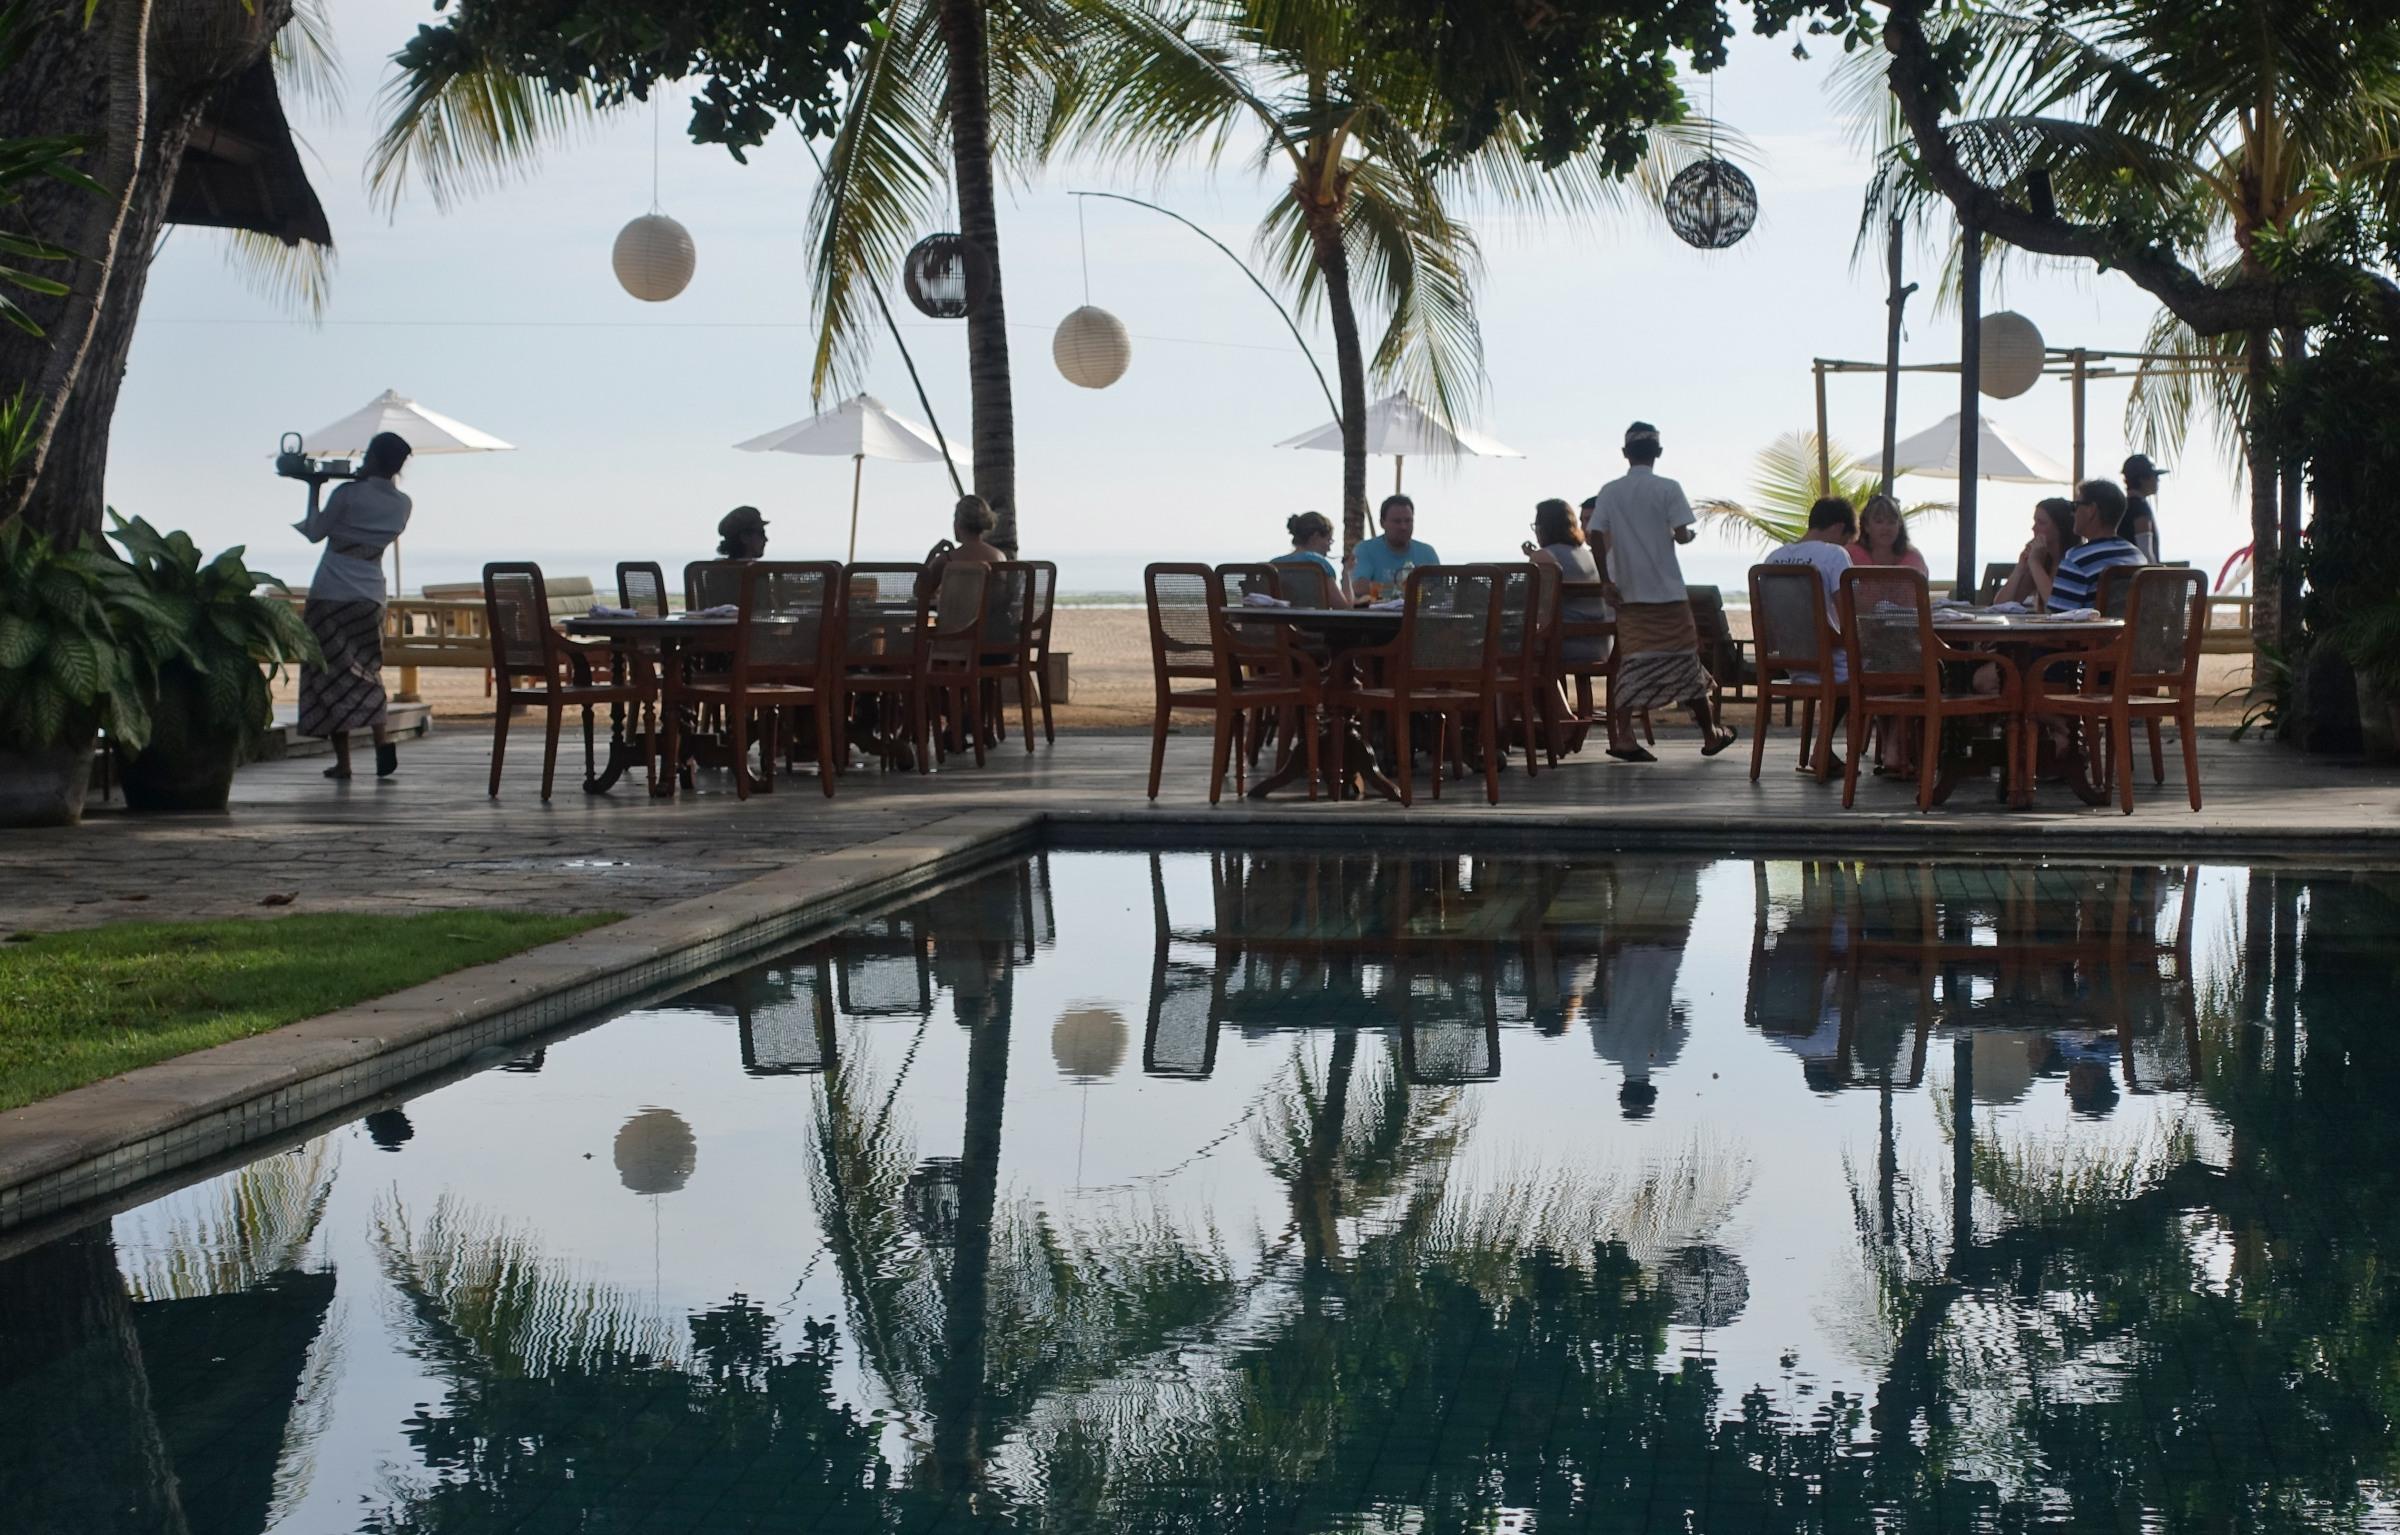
point(2295, 349)
point(1333, 265)
point(125, 130)
point(995, 425)
point(2266, 513)
point(957, 1390)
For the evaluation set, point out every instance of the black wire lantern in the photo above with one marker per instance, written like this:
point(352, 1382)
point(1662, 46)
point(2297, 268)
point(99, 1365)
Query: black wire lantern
point(945, 276)
point(1711, 204)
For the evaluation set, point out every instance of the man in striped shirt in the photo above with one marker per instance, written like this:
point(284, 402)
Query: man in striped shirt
point(2099, 515)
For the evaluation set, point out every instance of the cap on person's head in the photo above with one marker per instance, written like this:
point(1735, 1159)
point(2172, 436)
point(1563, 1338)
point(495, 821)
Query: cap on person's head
point(2139, 467)
point(1640, 435)
point(741, 519)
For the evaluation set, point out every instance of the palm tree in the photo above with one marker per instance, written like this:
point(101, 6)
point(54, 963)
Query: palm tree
point(2216, 131)
point(1371, 207)
point(1784, 486)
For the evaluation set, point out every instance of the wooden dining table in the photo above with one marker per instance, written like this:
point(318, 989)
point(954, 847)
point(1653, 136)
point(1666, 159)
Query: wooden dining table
point(2023, 638)
point(1343, 630)
point(661, 641)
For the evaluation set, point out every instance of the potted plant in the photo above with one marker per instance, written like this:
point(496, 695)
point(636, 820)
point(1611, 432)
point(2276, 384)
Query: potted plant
point(66, 671)
point(208, 662)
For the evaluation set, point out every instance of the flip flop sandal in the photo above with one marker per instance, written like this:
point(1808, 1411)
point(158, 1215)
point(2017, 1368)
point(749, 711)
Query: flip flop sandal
point(337, 772)
point(1631, 754)
point(1719, 743)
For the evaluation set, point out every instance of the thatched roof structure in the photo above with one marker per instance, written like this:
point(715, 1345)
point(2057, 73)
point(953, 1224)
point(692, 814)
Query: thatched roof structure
point(243, 168)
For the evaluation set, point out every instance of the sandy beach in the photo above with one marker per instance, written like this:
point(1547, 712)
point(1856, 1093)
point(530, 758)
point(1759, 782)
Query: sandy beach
point(1110, 672)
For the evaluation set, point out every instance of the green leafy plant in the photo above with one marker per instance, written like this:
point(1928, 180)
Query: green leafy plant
point(212, 633)
point(23, 161)
point(66, 666)
point(1783, 487)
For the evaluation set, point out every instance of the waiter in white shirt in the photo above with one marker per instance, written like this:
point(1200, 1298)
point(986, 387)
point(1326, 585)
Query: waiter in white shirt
point(1638, 520)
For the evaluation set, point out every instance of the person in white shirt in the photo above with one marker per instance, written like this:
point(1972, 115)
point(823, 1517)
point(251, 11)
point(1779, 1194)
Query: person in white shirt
point(1825, 548)
point(1638, 521)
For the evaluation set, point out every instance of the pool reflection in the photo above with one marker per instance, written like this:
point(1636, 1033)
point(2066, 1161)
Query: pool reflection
point(2075, 1210)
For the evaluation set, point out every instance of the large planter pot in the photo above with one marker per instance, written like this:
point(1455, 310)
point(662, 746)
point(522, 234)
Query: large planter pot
point(44, 788)
point(2378, 722)
point(188, 765)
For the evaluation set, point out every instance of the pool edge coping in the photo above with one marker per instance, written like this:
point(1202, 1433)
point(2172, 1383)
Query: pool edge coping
point(80, 1146)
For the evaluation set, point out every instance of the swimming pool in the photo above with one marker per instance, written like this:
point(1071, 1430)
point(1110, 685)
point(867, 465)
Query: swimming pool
point(1311, 1191)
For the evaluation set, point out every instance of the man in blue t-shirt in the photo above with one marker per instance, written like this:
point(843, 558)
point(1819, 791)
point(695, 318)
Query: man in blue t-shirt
point(1380, 559)
point(2099, 514)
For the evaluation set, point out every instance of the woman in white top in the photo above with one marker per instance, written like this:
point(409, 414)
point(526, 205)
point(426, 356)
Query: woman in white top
point(344, 691)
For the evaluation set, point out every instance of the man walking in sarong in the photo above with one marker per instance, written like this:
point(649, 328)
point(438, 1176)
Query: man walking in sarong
point(1637, 521)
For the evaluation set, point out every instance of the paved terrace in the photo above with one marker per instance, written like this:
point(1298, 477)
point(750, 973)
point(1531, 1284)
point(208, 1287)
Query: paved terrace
point(430, 837)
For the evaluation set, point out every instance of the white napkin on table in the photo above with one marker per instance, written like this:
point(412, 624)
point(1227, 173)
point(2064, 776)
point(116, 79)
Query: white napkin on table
point(2073, 616)
point(721, 610)
point(1388, 605)
point(2008, 607)
point(603, 610)
point(1263, 600)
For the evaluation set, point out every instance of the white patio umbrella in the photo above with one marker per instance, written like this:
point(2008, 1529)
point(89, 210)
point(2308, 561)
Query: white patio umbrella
point(426, 431)
point(2000, 455)
point(862, 427)
point(1398, 426)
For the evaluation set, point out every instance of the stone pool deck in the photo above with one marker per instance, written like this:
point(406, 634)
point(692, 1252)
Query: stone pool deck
point(431, 838)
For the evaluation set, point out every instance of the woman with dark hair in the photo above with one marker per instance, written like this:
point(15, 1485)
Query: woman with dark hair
point(2037, 566)
point(1558, 542)
point(344, 692)
point(1312, 545)
point(742, 534)
point(1883, 537)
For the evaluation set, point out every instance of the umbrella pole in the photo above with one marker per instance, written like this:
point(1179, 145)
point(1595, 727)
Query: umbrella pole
point(397, 589)
point(1399, 460)
point(858, 469)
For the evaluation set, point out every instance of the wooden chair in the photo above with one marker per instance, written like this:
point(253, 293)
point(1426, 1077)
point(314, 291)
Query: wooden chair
point(2150, 672)
point(528, 649)
point(1583, 706)
point(712, 584)
point(943, 670)
point(1007, 620)
point(1528, 611)
point(1995, 576)
point(2116, 584)
point(1033, 653)
point(1243, 666)
point(1304, 584)
point(786, 655)
point(642, 586)
point(1445, 662)
point(1795, 646)
point(1896, 672)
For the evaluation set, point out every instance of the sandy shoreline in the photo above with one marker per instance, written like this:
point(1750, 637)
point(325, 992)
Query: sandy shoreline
point(1110, 673)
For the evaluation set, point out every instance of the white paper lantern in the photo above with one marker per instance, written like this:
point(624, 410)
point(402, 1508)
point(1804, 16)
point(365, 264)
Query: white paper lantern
point(653, 257)
point(1091, 348)
point(2011, 355)
point(655, 1152)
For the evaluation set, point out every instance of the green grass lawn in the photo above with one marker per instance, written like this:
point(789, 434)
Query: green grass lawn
point(76, 1007)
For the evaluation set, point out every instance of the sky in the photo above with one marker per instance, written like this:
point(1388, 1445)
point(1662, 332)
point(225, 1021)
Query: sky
point(503, 312)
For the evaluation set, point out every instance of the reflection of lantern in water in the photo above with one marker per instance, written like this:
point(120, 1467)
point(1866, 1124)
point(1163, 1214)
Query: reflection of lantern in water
point(1709, 1284)
point(656, 1152)
point(1088, 1043)
point(930, 1201)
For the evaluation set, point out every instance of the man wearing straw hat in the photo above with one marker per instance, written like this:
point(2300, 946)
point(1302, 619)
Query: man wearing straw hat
point(1638, 520)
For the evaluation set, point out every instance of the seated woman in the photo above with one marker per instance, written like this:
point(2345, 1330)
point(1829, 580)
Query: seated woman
point(2037, 566)
point(971, 524)
point(1883, 537)
point(1312, 545)
point(1558, 542)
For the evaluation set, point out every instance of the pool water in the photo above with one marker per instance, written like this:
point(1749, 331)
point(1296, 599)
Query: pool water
point(1305, 1192)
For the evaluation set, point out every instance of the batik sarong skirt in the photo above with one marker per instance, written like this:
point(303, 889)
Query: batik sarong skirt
point(1658, 656)
point(346, 692)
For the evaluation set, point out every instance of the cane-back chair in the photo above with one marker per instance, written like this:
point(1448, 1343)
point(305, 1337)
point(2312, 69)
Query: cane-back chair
point(1896, 663)
point(2149, 672)
point(1445, 663)
point(787, 655)
point(1797, 658)
point(533, 664)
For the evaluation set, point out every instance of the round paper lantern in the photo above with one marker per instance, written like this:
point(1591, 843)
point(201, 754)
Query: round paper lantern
point(2010, 355)
point(1709, 1285)
point(1711, 204)
point(1091, 348)
point(1088, 1043)
point(656, 1152)
point(653, 257)
point(945, 276)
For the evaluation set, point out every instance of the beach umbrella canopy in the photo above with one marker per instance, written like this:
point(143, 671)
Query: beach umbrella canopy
point(1398, 426)
point(427, 431)
point(862, 427)
point(2000, 455)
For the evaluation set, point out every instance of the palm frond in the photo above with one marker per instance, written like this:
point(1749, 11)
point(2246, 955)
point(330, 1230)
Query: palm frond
point(1412, 263)
point(1784, 486)
point(466, 126)
point(2206, 379)
point(881, 185)
point(308, 65)
point(296, 276)
point(1154, 82)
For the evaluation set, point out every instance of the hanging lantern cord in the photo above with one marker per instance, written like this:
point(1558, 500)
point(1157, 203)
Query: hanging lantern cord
point(1084, 246)
point(654, 114)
